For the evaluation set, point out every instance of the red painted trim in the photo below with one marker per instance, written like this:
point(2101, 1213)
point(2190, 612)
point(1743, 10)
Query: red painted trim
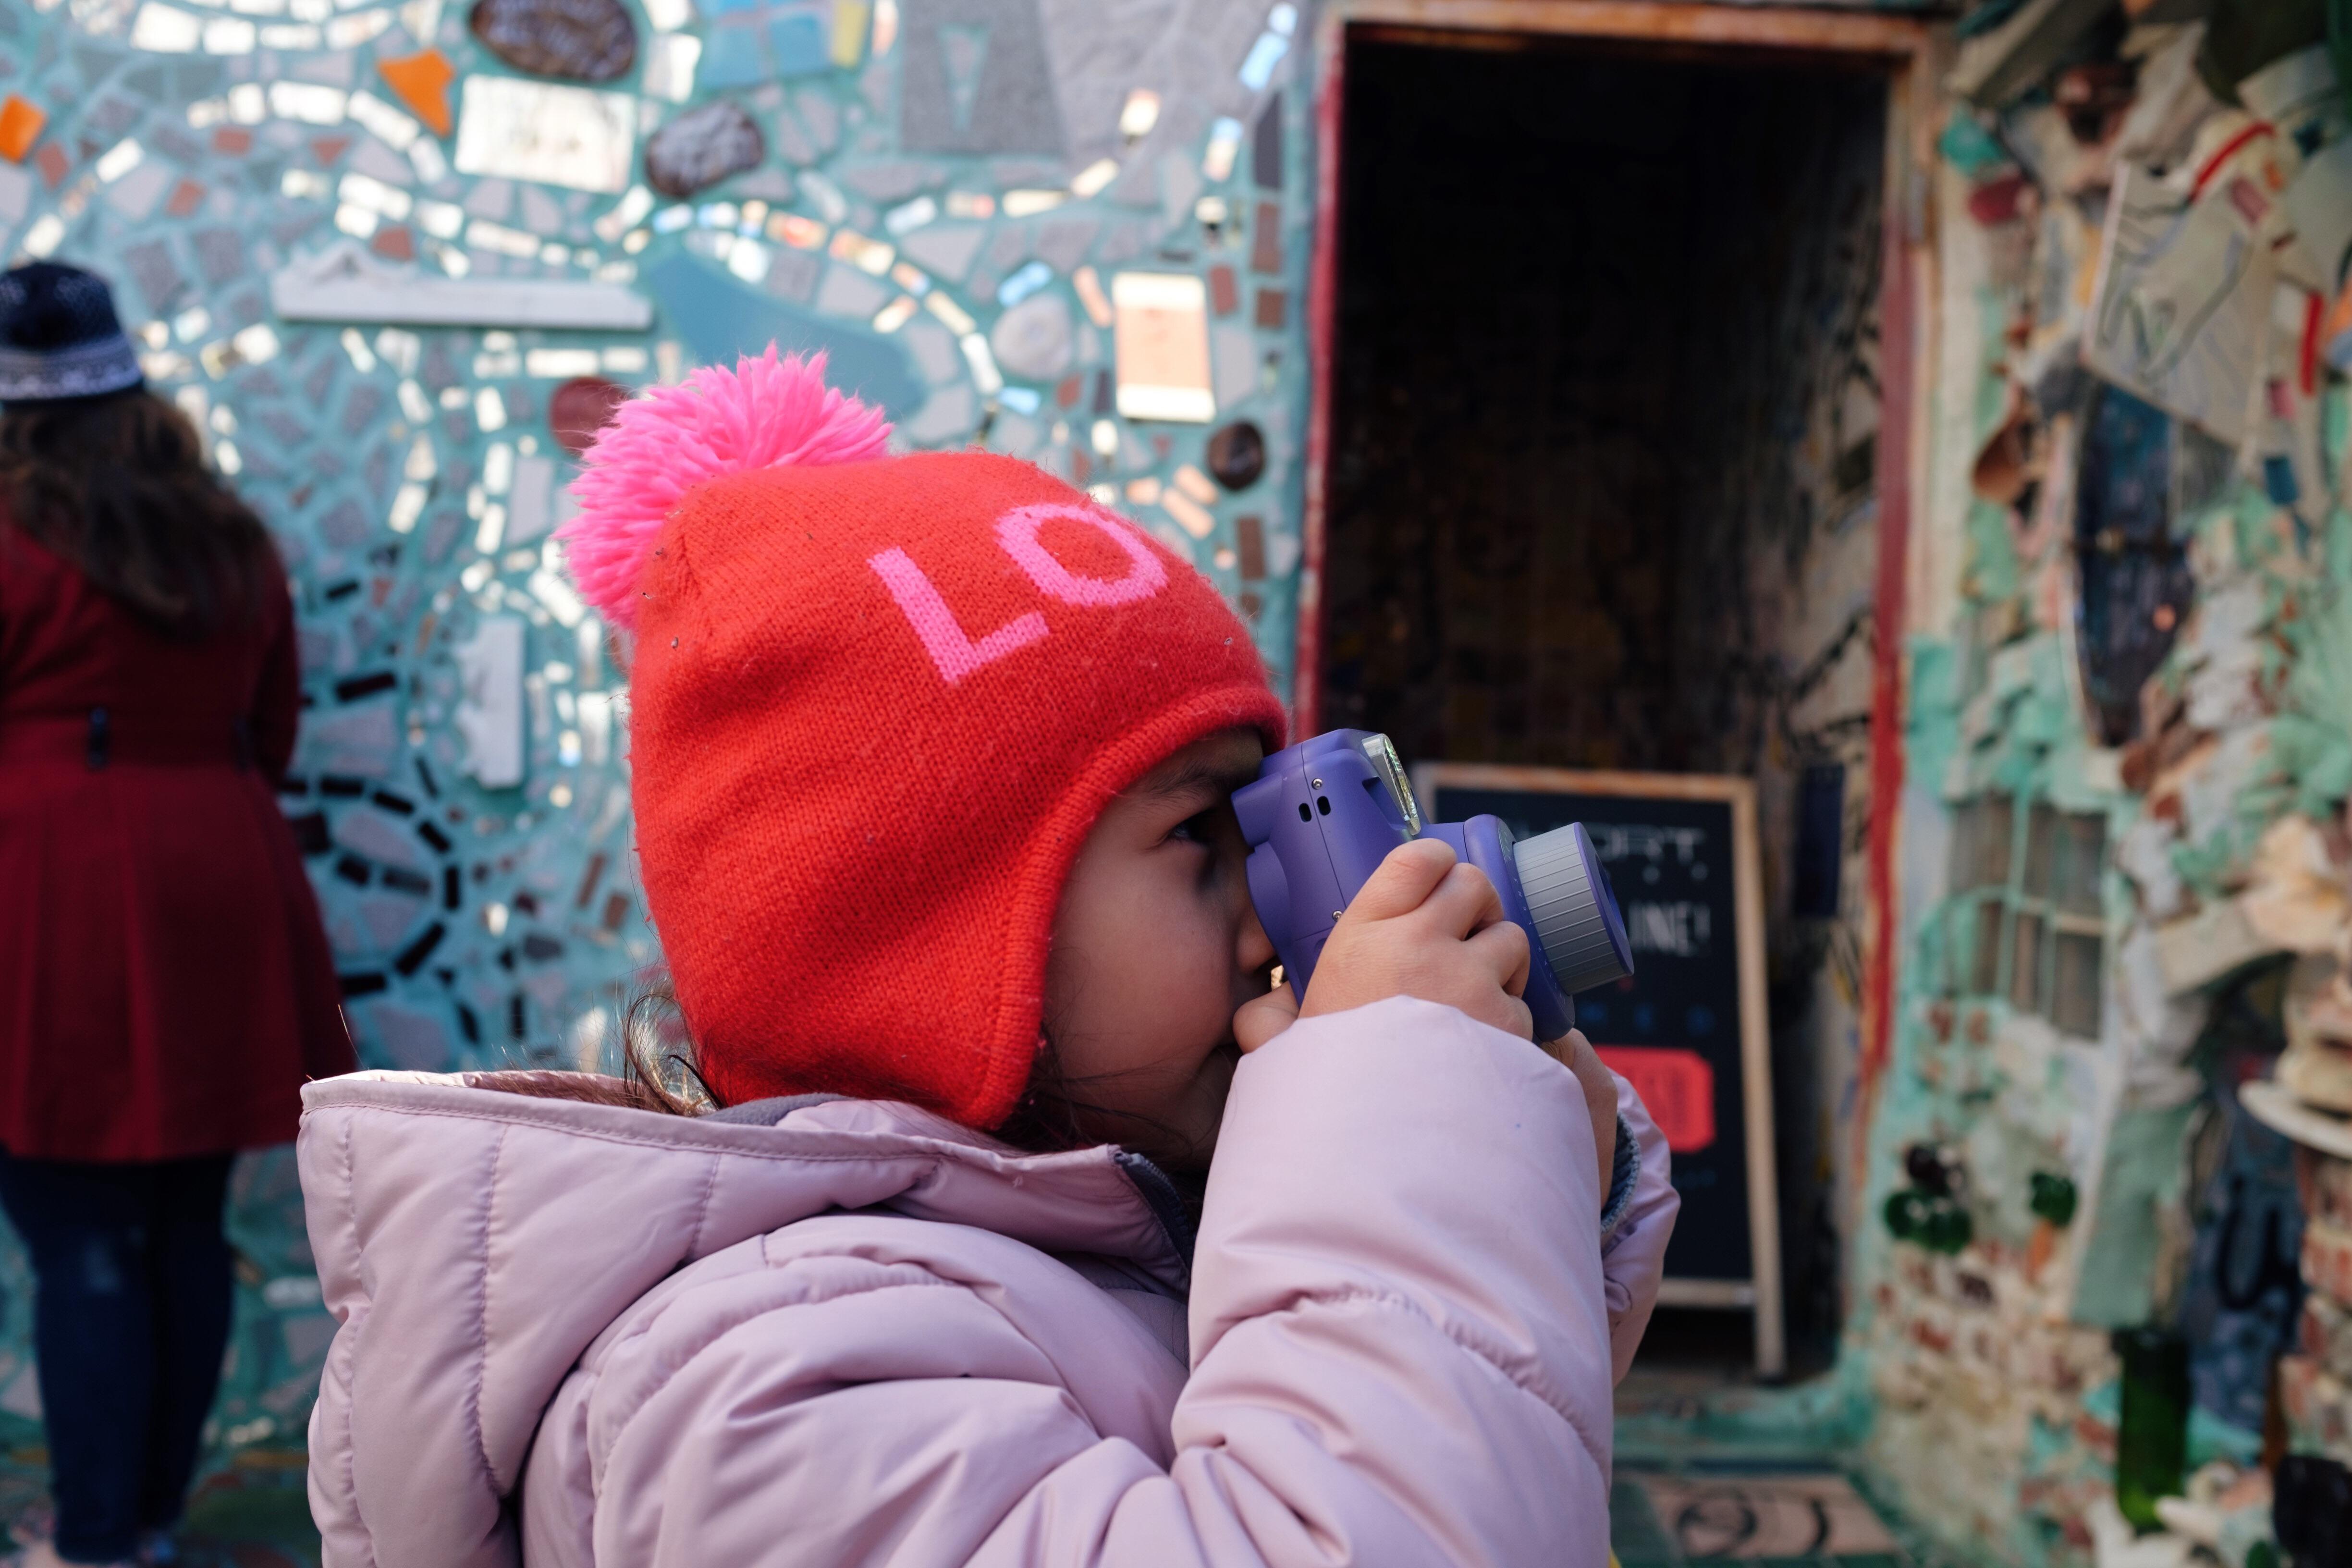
point(1322, 327)
point(2229, 150)
point(2315, 317)
point(1898, 371)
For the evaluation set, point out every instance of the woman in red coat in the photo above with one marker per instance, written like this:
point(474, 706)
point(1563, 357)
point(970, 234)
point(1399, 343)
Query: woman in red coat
point(165, 986)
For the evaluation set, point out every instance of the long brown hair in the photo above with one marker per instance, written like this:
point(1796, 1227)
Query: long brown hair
point(117, 486)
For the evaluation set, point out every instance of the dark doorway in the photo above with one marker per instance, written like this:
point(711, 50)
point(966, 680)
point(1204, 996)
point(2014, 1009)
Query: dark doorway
point(1604, 412)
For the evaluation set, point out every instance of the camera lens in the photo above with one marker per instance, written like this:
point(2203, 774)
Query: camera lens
point(1575, 913)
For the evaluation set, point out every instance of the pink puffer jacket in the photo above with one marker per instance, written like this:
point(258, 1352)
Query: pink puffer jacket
point(576, 1332)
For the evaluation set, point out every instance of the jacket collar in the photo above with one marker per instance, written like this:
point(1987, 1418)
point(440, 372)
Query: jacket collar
point(1103, 1199)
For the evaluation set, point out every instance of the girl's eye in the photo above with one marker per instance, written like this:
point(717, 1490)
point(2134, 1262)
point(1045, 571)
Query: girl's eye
point(1191, 830)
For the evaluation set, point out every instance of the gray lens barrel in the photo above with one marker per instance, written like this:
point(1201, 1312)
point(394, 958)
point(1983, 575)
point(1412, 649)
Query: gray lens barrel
point(1558, 880)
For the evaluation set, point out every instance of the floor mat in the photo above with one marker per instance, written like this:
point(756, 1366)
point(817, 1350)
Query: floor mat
point(255, 1514)
point(1664, 1520)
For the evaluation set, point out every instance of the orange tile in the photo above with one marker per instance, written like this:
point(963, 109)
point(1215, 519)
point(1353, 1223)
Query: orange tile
point(422, 81)
point(20, 127)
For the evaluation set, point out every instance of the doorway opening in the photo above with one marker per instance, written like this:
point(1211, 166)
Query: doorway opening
point(1601, 482)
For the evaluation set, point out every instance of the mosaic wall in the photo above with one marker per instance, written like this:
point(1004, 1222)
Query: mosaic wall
point(398, 257)
point(2126, 774)
point(2125, 868)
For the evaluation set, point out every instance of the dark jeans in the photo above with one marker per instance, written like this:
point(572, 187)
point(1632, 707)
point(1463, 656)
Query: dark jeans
point(130, 1321)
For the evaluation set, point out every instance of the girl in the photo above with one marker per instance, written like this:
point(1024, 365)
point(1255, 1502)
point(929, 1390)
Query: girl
point(932, 760)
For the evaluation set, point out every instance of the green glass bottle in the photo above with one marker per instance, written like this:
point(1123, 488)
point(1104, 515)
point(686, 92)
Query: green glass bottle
point(2053, 1198)
point(2152, 1439)
point(1949, 1228)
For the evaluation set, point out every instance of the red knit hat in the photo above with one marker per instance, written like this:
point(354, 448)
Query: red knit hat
point(877, 705)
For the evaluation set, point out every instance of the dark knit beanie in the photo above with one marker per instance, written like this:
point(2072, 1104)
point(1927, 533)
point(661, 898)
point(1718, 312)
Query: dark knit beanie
point(59, 336)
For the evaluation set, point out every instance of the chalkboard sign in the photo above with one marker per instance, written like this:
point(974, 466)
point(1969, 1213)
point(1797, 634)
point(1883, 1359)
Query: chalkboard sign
point(1688, 1026)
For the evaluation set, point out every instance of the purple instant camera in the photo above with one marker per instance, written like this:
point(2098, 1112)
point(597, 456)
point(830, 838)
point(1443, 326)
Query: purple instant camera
point(1325, 812)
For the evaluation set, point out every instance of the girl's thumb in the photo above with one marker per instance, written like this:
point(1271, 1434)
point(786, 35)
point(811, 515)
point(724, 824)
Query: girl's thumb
point(1263, 1017)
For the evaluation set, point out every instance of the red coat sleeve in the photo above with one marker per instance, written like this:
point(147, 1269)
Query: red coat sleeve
point(278, 696)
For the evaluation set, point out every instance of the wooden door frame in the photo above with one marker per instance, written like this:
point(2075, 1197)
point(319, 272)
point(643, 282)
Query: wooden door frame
point(1910, 51)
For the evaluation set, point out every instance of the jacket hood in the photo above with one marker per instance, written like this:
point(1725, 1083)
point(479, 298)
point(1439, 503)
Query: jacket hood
point(475, 1234)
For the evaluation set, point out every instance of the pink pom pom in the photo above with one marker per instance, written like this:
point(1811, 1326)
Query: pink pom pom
point(763, 414)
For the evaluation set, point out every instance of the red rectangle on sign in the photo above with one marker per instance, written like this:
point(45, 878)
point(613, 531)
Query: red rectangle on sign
point(1676, 1087)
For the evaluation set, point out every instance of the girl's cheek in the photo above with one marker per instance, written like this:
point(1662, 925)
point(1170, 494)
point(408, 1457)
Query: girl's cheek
point(1188, 948)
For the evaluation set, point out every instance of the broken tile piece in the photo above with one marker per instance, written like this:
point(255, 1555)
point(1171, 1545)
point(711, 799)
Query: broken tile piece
point(752, 44)
point(580, 40)
point(152, 267)
point(1249, 536)
point(1273, 309)
point(975, 78)
point(1090, 294)
point(1224, 290)
point(1189, 512)
point(580, 408)
point(2202, 947)
point(1236, 457)
point(849, 26)
point(422, 81)
point(945, 249)
point(186, 197)
point(491, 719)
point(698, 149)
point(1032, 340)
point(1266, 243)
point(135, 195)
point(53, 163)
point(1164, 346)
point(2296, 901)
point(220, 252)
point(569, 136)
point(1265, 145)
point(20, 126)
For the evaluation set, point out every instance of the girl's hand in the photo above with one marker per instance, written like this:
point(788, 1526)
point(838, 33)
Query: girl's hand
point(1263, 1017)
point(1575, 1053)
point(1424, 925)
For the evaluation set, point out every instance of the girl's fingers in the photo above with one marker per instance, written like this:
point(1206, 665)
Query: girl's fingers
point(1600, 1088)
point(1502, 948)
point(1511, 1017)
point(1403, 880)
point(1462, 902)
